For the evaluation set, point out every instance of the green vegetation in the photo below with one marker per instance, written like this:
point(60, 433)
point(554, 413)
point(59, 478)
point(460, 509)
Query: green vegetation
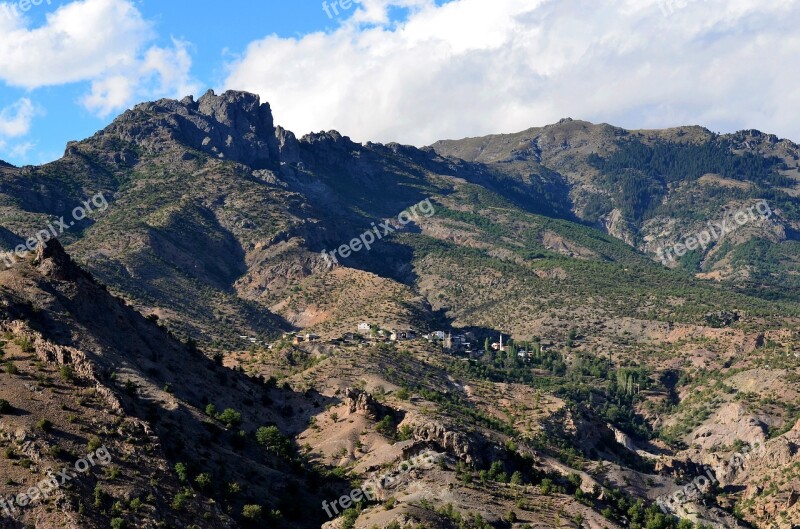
point(640, 173)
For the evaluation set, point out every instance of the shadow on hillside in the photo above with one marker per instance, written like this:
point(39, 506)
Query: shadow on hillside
point(170, 385)
point(9, 240)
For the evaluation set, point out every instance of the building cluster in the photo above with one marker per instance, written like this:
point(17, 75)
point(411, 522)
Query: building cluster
point(298, 338)
point(375, 332)
point(460, 342)
point(254, 341)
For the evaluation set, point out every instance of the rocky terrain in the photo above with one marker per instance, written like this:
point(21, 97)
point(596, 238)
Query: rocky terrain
point(195, 329)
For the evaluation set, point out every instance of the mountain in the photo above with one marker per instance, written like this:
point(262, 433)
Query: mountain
point(654, 188)
point(198, 237)
point(84, 370)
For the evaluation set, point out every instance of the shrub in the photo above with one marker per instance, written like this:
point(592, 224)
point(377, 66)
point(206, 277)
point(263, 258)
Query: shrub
point(203, 481)
point(230, 417)
point(67, 374)
point(100, 497)
point(252, 512)
point(273, 440)
point(182, 472)
point(5, 407)
point(179, 501)
point(405, 432)
point(386, 427)
point(44, 425)
point(25, 344)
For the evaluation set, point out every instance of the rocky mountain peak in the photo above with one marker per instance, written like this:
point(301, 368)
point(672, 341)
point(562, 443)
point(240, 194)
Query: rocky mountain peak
point(235, 126)
point(53, 260)
point(242, 112)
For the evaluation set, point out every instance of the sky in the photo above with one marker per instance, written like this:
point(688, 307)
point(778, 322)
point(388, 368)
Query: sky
point(411, 71)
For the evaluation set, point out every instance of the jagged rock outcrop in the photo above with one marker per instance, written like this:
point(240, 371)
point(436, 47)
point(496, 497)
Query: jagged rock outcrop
point(363, 403)
point(288, 146)
point(234, 126)
point(53, 261)
point(456, 443)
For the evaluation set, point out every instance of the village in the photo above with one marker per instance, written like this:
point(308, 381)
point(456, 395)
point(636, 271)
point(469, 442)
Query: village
point(456, 342)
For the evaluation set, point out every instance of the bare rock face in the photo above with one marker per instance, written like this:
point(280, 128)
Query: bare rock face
point(234, 126)
point(53, 261)
point(457, 443)
point(616, 225)
point(363, 403)
point(288, 145)
point(241, 127)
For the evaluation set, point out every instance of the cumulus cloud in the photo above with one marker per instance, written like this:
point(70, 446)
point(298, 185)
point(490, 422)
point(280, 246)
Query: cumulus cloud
point(471, 67)
point(105, 42)
point(161, 72)
point(15, 119)
point(21, 150)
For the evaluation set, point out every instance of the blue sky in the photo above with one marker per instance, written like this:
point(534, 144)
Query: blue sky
point(412, 71)
point(216, 35)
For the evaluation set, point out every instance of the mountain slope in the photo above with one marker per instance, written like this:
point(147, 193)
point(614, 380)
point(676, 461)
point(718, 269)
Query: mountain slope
point(656, 188)
point(619, 377)
point(83, 369)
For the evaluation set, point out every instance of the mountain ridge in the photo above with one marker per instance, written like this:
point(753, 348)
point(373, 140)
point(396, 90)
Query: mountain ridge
point(578, 380)
point(551, 171)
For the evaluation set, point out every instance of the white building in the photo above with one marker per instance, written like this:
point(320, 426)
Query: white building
point(498, 346)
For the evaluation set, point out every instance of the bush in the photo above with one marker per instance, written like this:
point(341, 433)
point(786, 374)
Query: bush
point(44, 425)
point(230, 417)
point(252, 512)
point(386, 427)
point(182, 472)
point(94, 443)
point(25, 344)
point(273, 440)
point(179, 501)
point(67, 374)
point(5, 407)
point(203, 481)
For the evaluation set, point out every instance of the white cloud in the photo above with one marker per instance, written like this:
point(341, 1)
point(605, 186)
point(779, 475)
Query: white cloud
point(472, 67)
point(15, 119)
point(106, 42)
point(162, 72)
point(15, 122)
point(21, 150)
